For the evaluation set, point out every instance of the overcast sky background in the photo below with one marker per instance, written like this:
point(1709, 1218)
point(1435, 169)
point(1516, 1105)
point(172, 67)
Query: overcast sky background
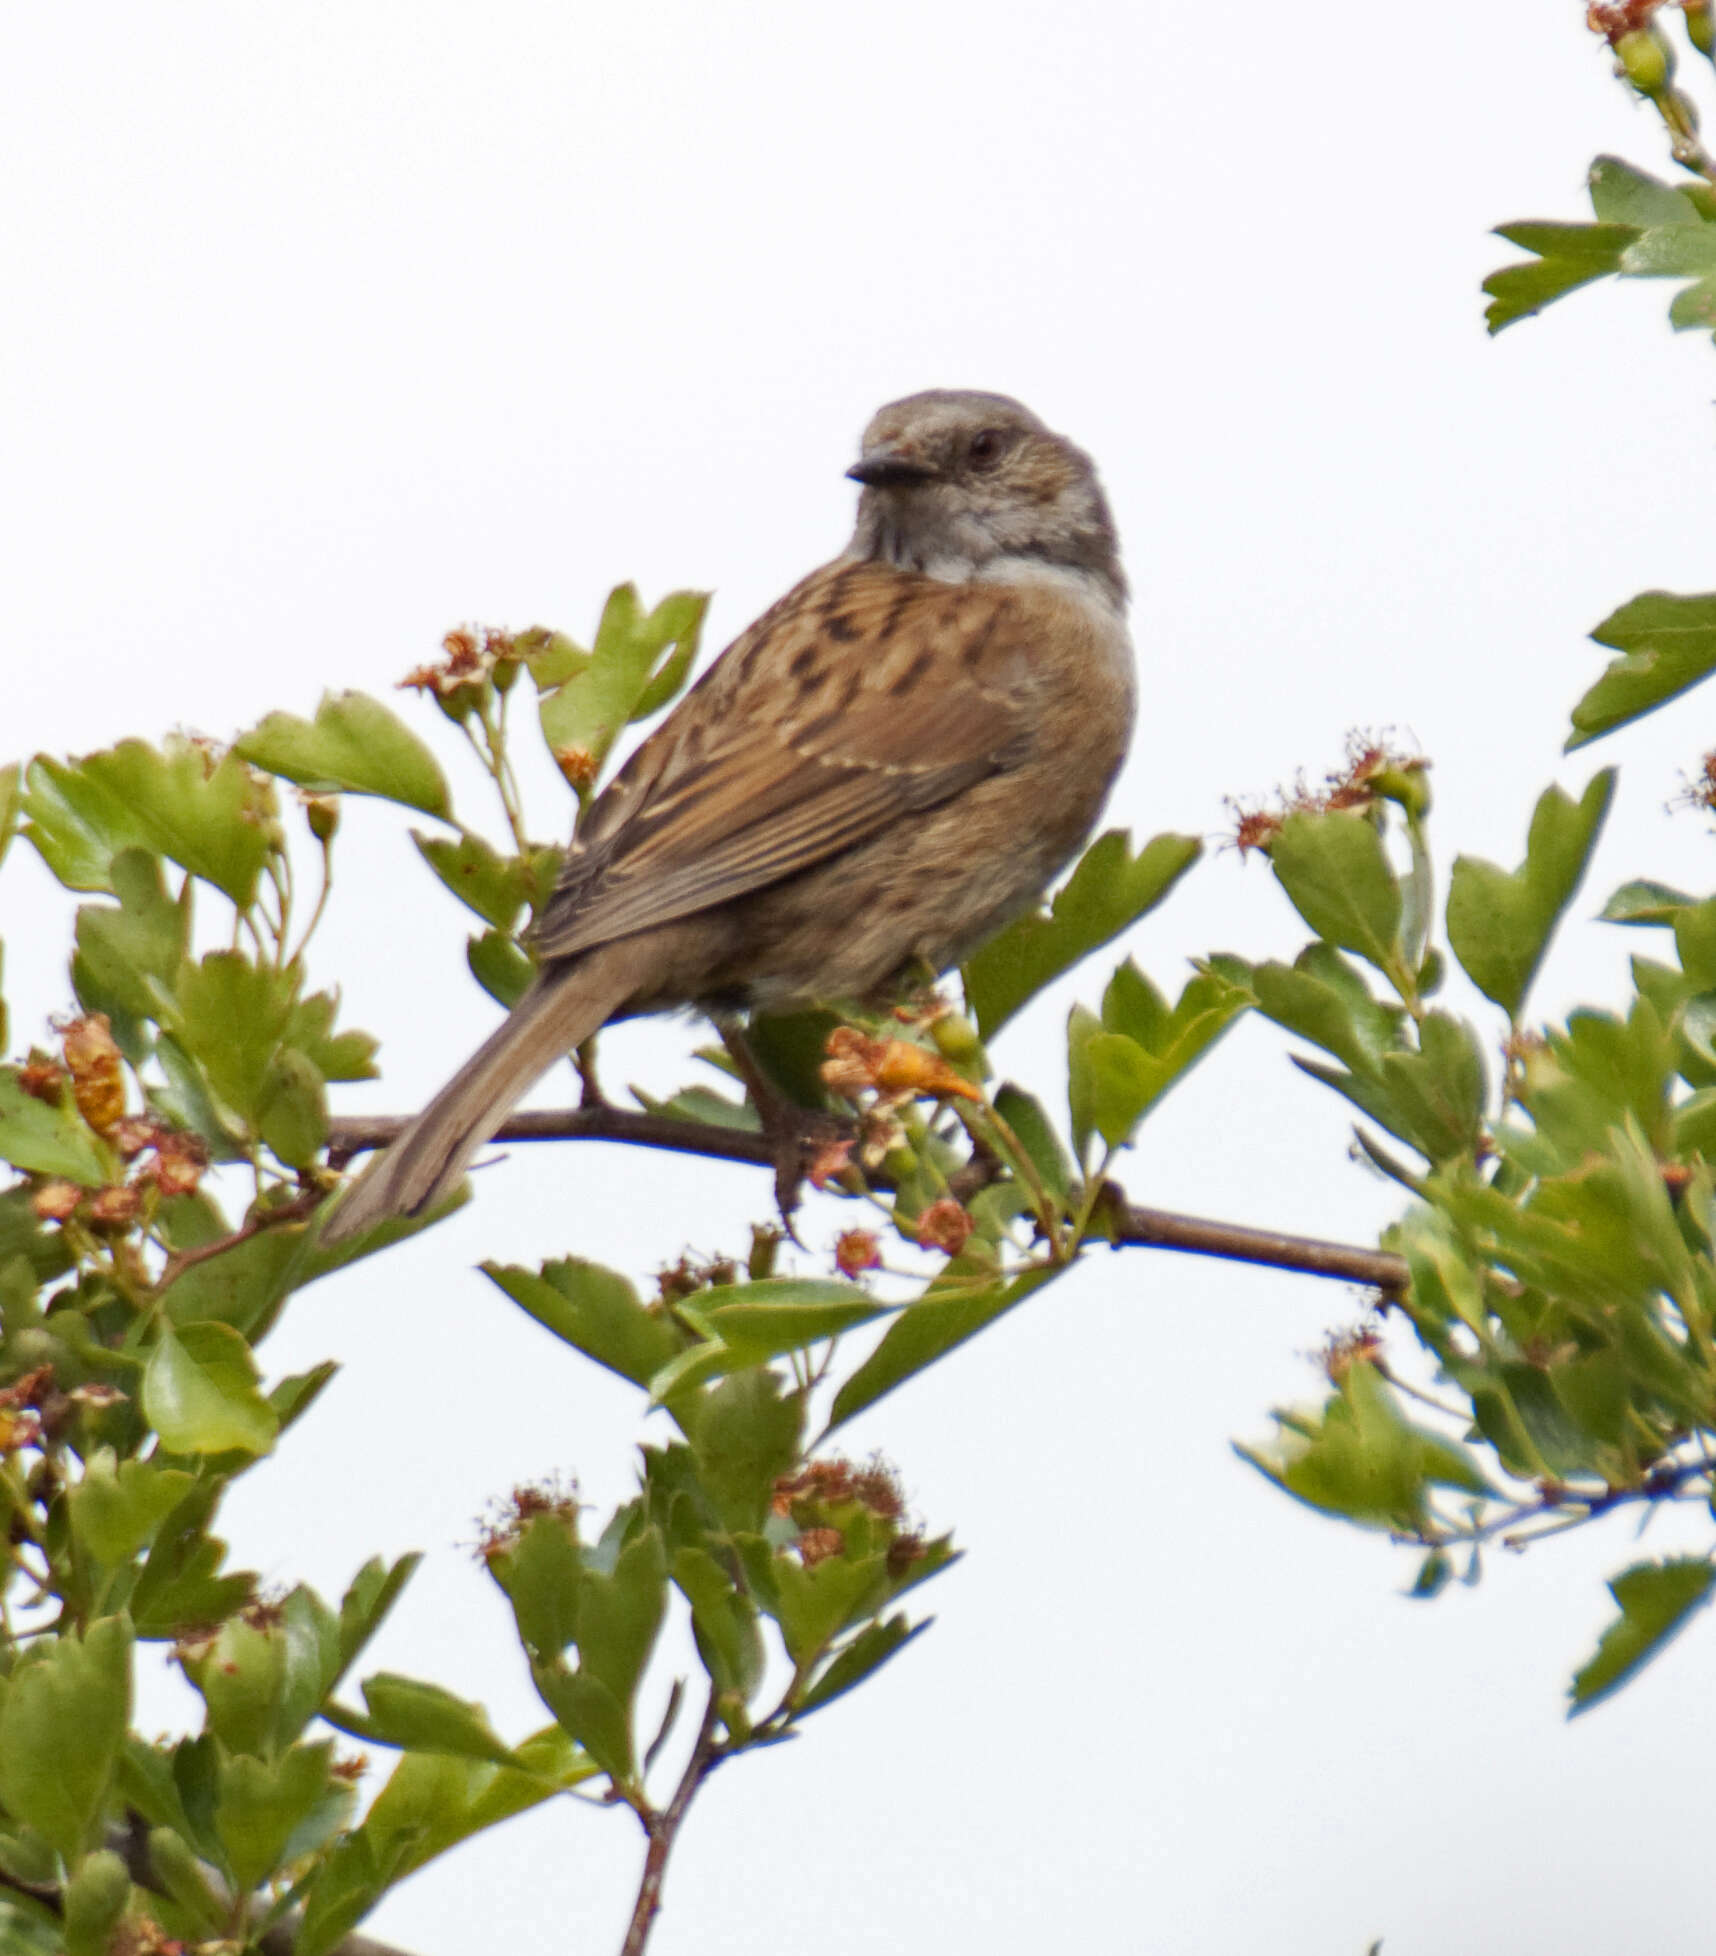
point(330, 327)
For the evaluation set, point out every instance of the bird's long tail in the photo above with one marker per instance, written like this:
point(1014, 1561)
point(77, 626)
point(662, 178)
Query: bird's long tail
point(426, 1164)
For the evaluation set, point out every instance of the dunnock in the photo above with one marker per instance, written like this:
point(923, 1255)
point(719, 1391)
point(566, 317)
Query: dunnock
point(890, 763)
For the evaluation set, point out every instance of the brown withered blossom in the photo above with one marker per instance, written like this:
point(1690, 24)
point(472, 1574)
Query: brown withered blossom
point(894, 1068)
point(857, 1250)
point(43, 1079)
point(96, 1066)
point(945, 1225)
point(55, 1200)
point(1353, 786)
point(1613, 18)
point(816, 1545)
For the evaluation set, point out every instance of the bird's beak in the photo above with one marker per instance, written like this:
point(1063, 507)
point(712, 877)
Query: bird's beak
point(888, 468)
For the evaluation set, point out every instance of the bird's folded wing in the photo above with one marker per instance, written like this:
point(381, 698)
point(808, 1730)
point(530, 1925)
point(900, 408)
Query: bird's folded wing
point(868, 694)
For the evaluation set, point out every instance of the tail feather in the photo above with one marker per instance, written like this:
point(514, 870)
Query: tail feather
point(428, 1161)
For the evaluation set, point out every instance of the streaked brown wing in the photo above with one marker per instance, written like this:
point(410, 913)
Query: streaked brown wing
point(866, 693)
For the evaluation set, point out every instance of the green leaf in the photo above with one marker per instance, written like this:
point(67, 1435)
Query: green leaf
point(95, 1899)
point(50, 1140)
point(496, 887)
point(873, 1646)
point(1108, 891)
point(1644, 902)
point(638, 663)
point(1667, 644)
point(1568, 256)
point(1323, 998)
point(724, 1621)
point(1656, 1601)
point(241, 1674)
point(262, 1804)
point(127, 960)
point(292, 1112)
point(118, 1505)
point(200, 1393)
point(77, 823)
point(181, 1583)
point(1500, 923)
point(1621, 194)
point(242, 1286)
point(335, 1055)
point(1119, 1073)
point(419, 1717)
point(230, 1018)
point(594, 1310)
point(1362, 1459)
point(433, 1801)
point(62, 1721)
point(11, 777)
point(211, 817)
point(745, 1434)
point(355, 745)
point(364, 1607)
point(954, 1309)
point(501, 966)
point(1036, 1134)
point(1337, 876)
point(619, 1618)
point(752, 1323)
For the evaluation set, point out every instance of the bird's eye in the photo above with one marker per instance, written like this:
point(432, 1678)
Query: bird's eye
point(988, 445)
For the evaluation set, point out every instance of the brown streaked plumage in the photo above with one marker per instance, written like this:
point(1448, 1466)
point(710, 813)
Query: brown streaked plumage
point(892, 761)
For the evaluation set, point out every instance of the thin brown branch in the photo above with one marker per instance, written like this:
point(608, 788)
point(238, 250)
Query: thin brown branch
point(663, 1828)
point(1162, 1230)
point(1134, 1225)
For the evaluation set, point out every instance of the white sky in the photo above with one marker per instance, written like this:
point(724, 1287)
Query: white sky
point(330, 327)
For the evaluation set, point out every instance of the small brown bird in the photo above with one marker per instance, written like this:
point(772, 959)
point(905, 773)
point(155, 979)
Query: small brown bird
point(894, 760)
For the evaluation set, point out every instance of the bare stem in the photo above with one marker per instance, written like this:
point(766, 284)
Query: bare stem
point(662, 1828)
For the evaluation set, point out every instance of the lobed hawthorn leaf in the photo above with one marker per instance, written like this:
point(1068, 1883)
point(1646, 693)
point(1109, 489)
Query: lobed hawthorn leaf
point(1108, 891)
point(1336, 874)
point(261, 1805)
point(1645, 229)
point(1667, 644)
point(127, 959)
point(596, 1311)
point(62, 1722)
point(638, 662)
point(214, 820)
point(355, 745)
point(1499, 921)
point(94, 1900)
point(1567, 256)
point(1656, 1601)
point(496, 887)
point(873, 1647)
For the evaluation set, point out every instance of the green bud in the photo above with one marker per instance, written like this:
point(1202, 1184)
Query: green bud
point(1406, 787)
point(322, 812)
point(956, 1038)
point(1646, 58)
point(1701, 26)
point(461, 701)
point(1431, 973)
point(95, 1899)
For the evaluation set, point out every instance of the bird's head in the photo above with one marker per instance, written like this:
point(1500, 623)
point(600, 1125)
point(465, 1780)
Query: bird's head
point(961, 485)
